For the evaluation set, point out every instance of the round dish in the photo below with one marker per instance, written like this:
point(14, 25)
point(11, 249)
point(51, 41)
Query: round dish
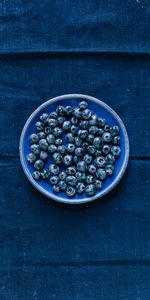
point(100, 109)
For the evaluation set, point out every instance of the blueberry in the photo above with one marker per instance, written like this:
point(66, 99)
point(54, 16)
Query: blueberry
point(70, 137)
point(90, 138)
point(97, 142)
point(92, 169)
point(39, 126)
point(45, 174)
point(57, 158)
point(68, 110)
point(109, 170)
point(89, 179)
point(110, 159)
point(80, 176)
point(31, 157)
point(98, 153)
point(62, 149)
point(61, 120)
point(54, 169)
point(114, 130)
point(115, 150)
point(106, 149)
point(43, 144)
point(35, 149)
point(44, 117)
point(85, 145)
point(87, 158)
point(53, 115)
point(101, 122)
point(70, 148)
point(78, 141)
point(62, 185)
point(57, 131)
point(41, 135)
point(71, 170)
point(106, 137)
point(76, 159)
point(91, 149)
point(47, 130)
point(93, 120)
point(100, 131)
point(54, 179)
point(83, 105)
point(43, 155)
point(74, 129)
point(77, 113)
point(90, 190)
point(74, 120)
point(60, 110)
point(70, 191)
point(80, 188)
point(52, 148)
point(98, 184)
point(107, 128)
point(38, 165)
point(33, 138)
point(82, 134)
point(81, 166)
point(58, 142)
point(116, 140)
point(56, 188)
point(84, 124)
point(101, 174)
point(52, 122)
point(100, 161)
point(36, 175)
point(86, 114)
point(93, 129)
point(62, 175)
point(66, 125)
point(50, 139)
point(67, 160)
point(71, 180)
point(79, 151)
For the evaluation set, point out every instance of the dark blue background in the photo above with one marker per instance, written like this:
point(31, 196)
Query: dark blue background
point(50, 251)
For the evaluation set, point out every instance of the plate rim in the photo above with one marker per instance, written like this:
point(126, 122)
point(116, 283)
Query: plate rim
point(72, 200)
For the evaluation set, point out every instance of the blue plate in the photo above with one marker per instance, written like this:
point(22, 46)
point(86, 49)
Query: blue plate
point(100, 109)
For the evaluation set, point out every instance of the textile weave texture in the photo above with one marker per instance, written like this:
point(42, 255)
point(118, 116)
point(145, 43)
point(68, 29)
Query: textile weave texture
point(99, 251)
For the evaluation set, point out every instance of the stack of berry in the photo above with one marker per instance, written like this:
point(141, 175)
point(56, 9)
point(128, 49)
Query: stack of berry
point(82, 146)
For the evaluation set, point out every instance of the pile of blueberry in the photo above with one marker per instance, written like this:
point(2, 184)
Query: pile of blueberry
point(82, 146)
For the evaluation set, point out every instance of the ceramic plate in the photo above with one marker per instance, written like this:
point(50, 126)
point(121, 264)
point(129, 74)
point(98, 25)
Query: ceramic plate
point(98, 107)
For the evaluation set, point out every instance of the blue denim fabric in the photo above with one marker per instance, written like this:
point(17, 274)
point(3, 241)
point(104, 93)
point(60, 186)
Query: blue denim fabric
point(98, 251)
